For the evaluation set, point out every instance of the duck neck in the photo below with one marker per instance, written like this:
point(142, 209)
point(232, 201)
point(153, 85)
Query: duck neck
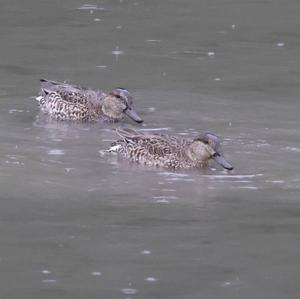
point(192, 159)
point(109, 111)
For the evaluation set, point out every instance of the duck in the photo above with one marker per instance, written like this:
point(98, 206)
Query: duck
point(170, 152)
point(63, 101)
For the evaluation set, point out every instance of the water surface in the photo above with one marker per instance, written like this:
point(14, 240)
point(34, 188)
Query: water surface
point(76, 223)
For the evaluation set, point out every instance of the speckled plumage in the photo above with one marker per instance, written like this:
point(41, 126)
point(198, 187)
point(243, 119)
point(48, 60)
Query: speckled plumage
point(53, 105)
point(64, 101)
point(169, 151)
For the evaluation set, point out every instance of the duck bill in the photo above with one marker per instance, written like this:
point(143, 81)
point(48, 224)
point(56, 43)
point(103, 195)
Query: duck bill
point(133, 115)
point(223, 162)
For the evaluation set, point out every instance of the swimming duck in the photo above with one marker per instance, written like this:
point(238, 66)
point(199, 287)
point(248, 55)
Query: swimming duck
point(169, 151)
point(64, 101)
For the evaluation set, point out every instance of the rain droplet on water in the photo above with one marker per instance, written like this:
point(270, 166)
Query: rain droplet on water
point(151, 279)
point(129, 291)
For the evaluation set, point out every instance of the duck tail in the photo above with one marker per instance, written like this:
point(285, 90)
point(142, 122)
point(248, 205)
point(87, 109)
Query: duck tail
point(43, 93)
point(115, 147)
point(45, 83)
point(127, 133)
point(43, 80)
point(39, 98)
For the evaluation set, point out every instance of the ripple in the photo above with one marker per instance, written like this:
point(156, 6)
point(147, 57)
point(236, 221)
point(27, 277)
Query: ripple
point(164, 190)
point(239, 176)
point(247, 187)
point(150, 279)
point(155, 129)
point(153, 41)
point(275, 181)
point(292, 149)
point(231, 283)
point(247, 181)
point(193, 52)
point(103, 67)
point(90, 7)
point(11, 111)
point(172, 174)
point(151, 109)
point(46, 272)
point(146, 252)
point(96, 273)
point(117, 51)
point(166, 197)
point(180, 179)
point(49, 280)
point(129, 291)
point(14, 160)
point(163, 200)
point(56, 152)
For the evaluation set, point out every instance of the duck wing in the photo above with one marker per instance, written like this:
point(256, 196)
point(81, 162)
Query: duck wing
point(53, 104)
point(73, 93)
point(153, 144)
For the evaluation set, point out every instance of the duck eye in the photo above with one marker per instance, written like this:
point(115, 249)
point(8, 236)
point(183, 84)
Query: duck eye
point(216, 154)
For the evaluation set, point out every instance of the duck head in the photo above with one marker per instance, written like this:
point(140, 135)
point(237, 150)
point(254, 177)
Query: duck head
point(205, 147)
point(118, 103)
